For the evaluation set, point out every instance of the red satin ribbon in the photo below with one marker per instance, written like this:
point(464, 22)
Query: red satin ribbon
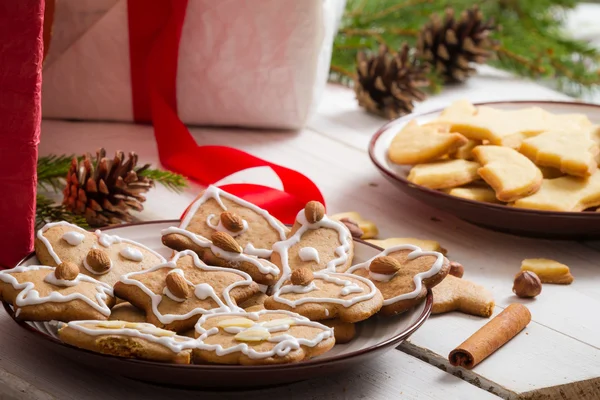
point(154, 33)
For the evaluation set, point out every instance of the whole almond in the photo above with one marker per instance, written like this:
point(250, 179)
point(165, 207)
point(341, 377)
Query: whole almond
point(302, 276)
point(178, 286)
point(314, 211)
point(353, 227)
point(456, 269)
point(224, 241)
point(384, 265)
point(98, 260)
point(66, 270)
point(232, 222)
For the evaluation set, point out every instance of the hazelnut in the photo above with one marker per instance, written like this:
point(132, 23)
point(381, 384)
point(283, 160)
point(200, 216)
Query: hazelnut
point(456, 269)
point(527, 284)
point(314, 212)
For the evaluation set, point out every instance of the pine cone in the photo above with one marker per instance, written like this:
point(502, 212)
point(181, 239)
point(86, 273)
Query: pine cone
point(387, 84)
point(450, 46)
point(104, 190)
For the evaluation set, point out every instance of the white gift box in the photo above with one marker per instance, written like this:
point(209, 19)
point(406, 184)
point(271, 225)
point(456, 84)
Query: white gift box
point(252, 63)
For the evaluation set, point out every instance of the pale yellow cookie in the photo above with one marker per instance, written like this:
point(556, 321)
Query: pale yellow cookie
point(416, 144)
point(506, 127)
point(349, 218)
point(424, 244)
point(565, 194)
point(456, 294)
point(549, 271)
point(466, 150)
point(127, 312)
point(444, 174)
point(509, 173)
point(551, 173)
point(476, 193)
point(572, 152)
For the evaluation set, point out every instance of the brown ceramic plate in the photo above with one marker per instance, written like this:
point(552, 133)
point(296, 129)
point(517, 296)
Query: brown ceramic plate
point(519, 221)
point(374, 336)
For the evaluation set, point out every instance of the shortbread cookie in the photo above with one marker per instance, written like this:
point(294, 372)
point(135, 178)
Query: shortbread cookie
point(549, 271)
point(316, 242)
point(343, 331)
point(98, 254)
point(403, 274)
point(423, 244)
point(456, 294)
point(325, 295)
point(444, 174)
point(465, 151)
point(416, 144)
point(506, 127)
point(572, 152)
point(368, 228)
point(128, 339)
point(127, 312)
point(42, 293)
point(551, 173)
point(260, 338)
point(254, 303)
point(565, 194)
point(476, 193)
point(253, 228)
point(224, 251)
point(509, 173)
point(175, 294)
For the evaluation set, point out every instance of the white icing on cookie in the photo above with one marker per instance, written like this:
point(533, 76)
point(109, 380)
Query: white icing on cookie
point(342, 251)
point(417, 279)
point(253, 251)
point(201, 290)
point(53, 280)
point(213, 192)
point(285, 342)
point(221, 228)
point(309, 254)
point(148, 332)
point(131, 253)
point(73, 238)
point(264, 267)
point(104, 240)
point(348, 287)
point(30, 296)
point(374, 276)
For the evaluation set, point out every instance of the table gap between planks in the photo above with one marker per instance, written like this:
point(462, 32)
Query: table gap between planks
point(557, 355)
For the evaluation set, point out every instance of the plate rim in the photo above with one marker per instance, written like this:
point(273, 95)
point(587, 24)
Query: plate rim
point(396, 339)
point(499, 207)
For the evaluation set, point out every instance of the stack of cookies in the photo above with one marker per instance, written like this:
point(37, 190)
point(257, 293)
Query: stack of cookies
point(526, 158)
point(240, 287)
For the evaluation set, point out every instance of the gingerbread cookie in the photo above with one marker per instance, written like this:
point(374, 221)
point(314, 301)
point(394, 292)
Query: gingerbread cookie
point(423, 244)
point(127, 312)
point(316, 242)
point(222, 250)
point(260, 338)
point(325, 295)
point(456, 294)
point(128, 339)
point(254, 303)
point(215, 210)
point(175, 294)
point(343, 331)
point(43, 293)
point(403, 274)
point(100, 255)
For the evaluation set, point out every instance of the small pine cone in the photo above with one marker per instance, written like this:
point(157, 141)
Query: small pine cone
point(387, 84)
point(104, 190)
point(451, 45)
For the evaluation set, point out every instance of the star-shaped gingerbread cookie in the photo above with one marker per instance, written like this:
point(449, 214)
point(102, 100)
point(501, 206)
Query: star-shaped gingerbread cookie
point(43, 293)
point(175, 294)
point(315, 242)
point(403, 274)
point(260, 338)
point(324, 295)
point(456, 294)
point(215, 210)
point(98, 254)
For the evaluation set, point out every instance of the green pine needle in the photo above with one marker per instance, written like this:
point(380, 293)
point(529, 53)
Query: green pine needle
point(47, 211)
point(170, 180)
point(52, 170)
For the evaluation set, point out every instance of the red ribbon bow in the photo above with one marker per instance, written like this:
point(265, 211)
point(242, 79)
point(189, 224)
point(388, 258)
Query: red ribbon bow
point(154, 33)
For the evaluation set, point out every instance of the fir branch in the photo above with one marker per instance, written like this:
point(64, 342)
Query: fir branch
point(170, 180)
point(47, 211)
point(52, 170)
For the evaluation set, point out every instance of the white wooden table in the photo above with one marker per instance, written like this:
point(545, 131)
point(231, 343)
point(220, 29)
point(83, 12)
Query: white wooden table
point(557, 356)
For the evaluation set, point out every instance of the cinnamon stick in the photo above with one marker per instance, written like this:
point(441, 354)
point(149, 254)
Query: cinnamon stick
point(491, 336)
